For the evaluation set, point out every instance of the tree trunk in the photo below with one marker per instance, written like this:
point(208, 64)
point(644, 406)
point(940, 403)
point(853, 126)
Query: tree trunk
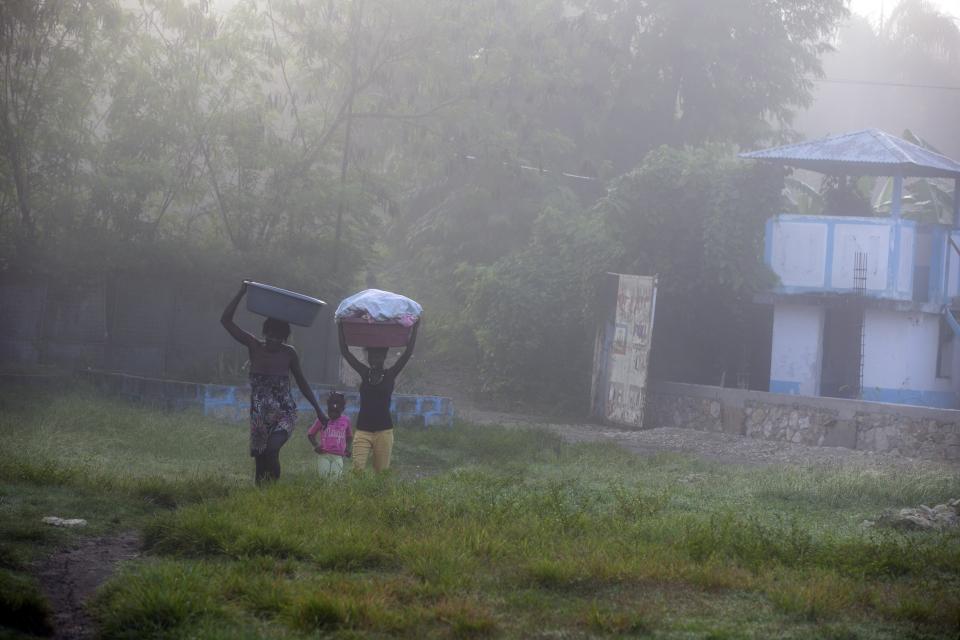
point(216, 192)
point(348, 126)
point(22, 187)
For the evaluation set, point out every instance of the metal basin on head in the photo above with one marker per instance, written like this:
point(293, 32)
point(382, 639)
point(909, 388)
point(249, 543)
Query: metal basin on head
point(274, 302)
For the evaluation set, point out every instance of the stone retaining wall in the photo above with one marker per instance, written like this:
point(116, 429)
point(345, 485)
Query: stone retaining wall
point(232, 402)
point(828, 422)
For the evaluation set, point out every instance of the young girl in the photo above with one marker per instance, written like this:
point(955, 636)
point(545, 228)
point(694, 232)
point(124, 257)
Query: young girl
point(374, 424)
point(273, 413)
point(335, 437)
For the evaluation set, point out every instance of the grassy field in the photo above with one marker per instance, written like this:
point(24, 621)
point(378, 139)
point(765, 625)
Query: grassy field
point(478, 532)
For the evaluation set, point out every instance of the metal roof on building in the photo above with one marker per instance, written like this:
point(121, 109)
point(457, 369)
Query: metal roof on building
point(869, 152)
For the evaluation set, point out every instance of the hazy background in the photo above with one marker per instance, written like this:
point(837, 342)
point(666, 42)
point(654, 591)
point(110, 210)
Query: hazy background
point(874, 9)
point(491, 159)
point(867, 52)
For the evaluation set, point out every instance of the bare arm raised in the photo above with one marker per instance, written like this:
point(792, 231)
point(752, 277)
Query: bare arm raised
point(226, 319)
point(405, 356)
point(351, 359)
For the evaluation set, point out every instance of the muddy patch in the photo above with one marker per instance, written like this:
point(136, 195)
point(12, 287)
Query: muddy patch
point(70, 577)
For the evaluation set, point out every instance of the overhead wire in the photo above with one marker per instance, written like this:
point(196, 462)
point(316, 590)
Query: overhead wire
point(879, 83)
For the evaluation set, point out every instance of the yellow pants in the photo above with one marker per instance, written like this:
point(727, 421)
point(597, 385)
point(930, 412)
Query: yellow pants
point(380, 443)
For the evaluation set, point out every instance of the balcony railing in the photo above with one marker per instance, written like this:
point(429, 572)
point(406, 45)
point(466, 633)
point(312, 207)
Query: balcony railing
point(898, 259)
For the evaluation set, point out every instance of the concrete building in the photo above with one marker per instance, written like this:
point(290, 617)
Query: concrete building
point(864, 307)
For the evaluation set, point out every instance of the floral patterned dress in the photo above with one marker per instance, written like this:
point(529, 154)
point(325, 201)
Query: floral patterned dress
point(271, 407)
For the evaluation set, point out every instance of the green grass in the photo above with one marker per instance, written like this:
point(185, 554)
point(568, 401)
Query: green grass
point(478, 532)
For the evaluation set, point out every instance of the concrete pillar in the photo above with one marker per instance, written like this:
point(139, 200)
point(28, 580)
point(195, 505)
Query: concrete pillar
point(897, 201)
point(797, 351)
point(956, 202)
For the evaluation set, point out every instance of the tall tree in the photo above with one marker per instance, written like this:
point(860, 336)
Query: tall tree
point(919, 25)
point(208, 144)
point(685, 71)
point(591, 87)
point(696, 218)
point(190, 83)
point(53, 55)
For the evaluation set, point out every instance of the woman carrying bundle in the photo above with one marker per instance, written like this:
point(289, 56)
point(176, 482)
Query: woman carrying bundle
point(374, 428)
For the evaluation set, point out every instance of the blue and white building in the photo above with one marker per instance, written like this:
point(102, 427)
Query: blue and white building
point(865, 305)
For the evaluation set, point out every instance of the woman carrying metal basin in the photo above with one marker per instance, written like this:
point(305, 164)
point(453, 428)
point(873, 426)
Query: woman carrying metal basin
point(273, 411)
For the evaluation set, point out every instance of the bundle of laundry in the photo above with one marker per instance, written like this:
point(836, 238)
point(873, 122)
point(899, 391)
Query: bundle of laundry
point(375, 318)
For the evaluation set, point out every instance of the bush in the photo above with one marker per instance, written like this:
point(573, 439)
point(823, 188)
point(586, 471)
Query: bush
point(694, 217)
point(531, 311)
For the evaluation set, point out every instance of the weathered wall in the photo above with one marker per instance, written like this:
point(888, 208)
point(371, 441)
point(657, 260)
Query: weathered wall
point(816, 254)
point(232, 402)
point(622, 349)
point(830, 422)
point(952, 276)
point(900, 359)
point(139, 325)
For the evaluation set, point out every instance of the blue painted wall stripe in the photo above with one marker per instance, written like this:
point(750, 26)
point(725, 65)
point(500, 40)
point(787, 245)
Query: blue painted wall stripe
point(939, 399)
point(787, 387)
point(233, 401)
point(894, 290)
point(828, 268)
point(768, 241)
point(893, 262)
point(938, 241)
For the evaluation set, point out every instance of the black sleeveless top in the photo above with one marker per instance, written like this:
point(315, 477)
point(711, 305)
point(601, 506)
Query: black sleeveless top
point(375, 401)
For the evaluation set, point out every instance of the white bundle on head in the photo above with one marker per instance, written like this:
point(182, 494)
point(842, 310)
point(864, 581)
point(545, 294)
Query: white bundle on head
point(379, 306)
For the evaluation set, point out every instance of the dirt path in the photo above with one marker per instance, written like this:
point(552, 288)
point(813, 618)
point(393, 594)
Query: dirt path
point(70, 576)
point(719, 447)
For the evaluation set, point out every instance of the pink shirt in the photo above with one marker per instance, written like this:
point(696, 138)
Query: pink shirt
point(333, 439)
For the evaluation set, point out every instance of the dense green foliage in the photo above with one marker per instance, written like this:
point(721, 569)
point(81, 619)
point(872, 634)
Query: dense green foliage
point(696, 218)
point(693, 216)
point(530, 311)
point(480, 531)
point(309, 144)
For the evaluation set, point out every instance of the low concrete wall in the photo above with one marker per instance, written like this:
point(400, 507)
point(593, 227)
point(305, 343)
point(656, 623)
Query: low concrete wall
point(143, 325)
point(918, 432)
point(232, 402)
